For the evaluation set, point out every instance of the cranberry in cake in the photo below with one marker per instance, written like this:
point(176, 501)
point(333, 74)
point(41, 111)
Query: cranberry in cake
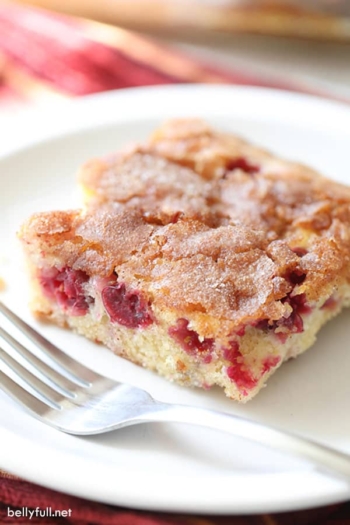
point(197, 255)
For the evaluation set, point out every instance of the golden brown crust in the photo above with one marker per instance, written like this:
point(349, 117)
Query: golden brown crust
point(281, 197)
point(144, 180)
point(179, 219)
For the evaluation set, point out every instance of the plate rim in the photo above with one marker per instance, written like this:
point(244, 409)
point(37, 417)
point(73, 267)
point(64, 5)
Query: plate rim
point(51, 122)
point(50, 129)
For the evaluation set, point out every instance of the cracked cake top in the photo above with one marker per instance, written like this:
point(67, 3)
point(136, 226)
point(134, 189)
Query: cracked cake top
point(204, 223)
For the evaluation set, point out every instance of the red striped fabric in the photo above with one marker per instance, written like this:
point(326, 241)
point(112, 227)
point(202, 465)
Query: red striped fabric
point(60, 54)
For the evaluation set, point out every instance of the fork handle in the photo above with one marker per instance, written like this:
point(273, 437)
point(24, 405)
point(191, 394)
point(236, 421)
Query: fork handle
point(322, 457)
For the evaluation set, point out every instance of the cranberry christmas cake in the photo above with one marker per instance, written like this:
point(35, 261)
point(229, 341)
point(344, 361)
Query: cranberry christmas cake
point(197, 255)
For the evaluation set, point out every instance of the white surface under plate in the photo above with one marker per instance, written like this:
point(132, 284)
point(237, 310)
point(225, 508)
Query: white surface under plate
point(161, 466)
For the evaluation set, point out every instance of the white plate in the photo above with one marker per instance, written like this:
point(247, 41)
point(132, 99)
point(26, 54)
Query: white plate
point(173, 467)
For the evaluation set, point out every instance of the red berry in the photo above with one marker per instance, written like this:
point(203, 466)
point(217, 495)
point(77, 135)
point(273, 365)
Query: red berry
point(299, 251)
point(297, 277)
point(126, 307)
point(291, 325)
point(237, 371)
point(243, 378)
point(189, 339)
point(66, 287)
point(270, 362)
point(242, 164)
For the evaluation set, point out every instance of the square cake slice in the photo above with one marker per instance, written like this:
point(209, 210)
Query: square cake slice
point(197, 255)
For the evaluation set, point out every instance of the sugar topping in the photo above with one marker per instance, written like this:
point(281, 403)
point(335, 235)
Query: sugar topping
point(203, 222)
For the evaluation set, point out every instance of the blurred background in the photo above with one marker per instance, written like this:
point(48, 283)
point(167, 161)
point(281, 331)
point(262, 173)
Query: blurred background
point(53, 50)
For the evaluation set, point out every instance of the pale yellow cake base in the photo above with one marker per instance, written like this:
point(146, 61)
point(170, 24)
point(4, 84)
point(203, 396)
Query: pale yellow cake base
point(154, 349)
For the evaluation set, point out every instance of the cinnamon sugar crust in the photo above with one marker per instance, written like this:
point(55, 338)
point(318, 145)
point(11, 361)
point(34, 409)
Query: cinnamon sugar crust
point(211, 263)
point(232, 184)
point(232, 241)
point(221, 173)
point(207, 228)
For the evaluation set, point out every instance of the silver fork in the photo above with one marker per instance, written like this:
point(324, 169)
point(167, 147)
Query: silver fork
point(62, 393)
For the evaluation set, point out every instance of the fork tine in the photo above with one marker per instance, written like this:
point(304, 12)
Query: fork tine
point(51, 354)
point(21, 396)
point(42, 371)
point(28, 381)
